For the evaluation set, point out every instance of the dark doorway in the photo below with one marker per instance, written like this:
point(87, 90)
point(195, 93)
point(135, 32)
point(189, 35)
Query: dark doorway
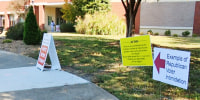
point(59, 19)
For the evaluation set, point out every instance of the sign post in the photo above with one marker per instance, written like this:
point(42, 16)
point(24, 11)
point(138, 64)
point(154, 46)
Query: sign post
point(48, 46)
point(136, 51)
point(171, 67)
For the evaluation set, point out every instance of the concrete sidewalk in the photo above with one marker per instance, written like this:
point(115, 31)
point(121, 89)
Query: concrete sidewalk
point(87, 91)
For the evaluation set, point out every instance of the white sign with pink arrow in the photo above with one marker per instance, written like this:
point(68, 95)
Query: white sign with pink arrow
point(171, 66)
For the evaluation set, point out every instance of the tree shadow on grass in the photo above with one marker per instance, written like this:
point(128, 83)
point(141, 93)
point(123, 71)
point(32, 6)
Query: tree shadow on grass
point(88, 54)
point(137, 83)
point(91, 55)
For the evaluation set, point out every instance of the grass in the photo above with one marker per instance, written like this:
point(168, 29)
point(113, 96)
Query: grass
point(7, 41)
point(101, 57)
point(88, 54)
point(176, 42)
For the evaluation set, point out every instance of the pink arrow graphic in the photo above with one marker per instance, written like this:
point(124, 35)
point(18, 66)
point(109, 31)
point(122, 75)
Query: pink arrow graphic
point(160, 63)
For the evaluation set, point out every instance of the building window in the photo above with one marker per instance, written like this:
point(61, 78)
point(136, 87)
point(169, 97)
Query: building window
point(59, 19)
point(12, 20)
point(2, 21)
point(20, 19)
point(49, 20)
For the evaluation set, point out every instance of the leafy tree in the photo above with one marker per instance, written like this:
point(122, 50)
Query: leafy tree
point(81, 7)
point(97, 5)
point(71, 11)
point(18, 6)
point(131, 8)
point(31, 33)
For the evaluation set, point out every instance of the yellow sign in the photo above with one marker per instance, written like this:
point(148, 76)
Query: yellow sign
point(136, 51)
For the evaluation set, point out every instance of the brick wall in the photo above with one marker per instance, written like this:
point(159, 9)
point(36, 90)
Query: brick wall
point(137, 21)
point(4, 9)
point(161, 16)
point(118, 9)
point(167, 14)
point(4, 6)
point(48, 1)
point(196, 26)
point(36, 11)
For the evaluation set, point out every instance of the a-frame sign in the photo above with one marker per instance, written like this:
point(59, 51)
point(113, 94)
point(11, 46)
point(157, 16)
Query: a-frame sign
point(48, 47)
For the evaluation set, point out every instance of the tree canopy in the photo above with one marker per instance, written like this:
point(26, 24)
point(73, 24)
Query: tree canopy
point(18, 6)
point(81, 7)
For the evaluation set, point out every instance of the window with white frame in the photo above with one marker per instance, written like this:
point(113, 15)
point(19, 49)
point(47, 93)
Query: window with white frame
point(49, 20)
point(2, 21)
point(12, 20)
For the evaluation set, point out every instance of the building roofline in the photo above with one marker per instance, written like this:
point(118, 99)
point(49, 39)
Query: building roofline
point(6, 0)
point(49, 4)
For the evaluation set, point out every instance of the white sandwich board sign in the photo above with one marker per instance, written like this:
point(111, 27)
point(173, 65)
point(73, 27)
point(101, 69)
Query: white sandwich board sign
point(48, 47)
point(171, 67)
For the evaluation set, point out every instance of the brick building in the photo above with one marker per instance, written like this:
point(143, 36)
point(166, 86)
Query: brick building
point(45, 11)
point(157, 16)
point(176, 16)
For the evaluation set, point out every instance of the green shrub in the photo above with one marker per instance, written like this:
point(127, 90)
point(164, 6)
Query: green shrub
point(67, 27)
point(32, 32)
point(7, 41)
point(185, 33)
point(97, 5)
point(150, 32)
point(42, 33)
point(194, 35)
point(167, 33)
point(175, 35)
point(141, 33)
point(16, 32)
point(81, 7)
point(156, 33)
point(100, 24)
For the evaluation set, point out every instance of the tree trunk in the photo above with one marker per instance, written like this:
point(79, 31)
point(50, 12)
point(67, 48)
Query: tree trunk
point(127, 24)
point(131, 8)
point(131, 25)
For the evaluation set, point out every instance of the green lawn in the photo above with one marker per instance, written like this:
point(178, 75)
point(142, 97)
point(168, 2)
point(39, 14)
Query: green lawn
point(177, 42)
point(100, 56)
